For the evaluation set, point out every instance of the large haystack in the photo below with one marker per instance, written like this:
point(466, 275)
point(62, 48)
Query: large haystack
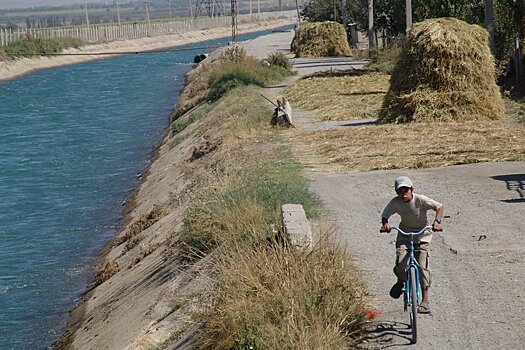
point(320, 40)
point(445, 72)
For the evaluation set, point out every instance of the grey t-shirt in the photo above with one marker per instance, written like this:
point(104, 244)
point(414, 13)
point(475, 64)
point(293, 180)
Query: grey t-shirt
point(413, 215)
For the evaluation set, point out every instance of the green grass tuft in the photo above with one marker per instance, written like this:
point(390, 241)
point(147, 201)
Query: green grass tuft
point(29, 47)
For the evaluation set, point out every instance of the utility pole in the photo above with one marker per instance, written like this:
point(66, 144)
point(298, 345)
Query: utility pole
point(371, 24)
point(234, 20)
point(335, 11)
point(146, 3)
point(191, 9)
point(408, 11)
point(86, 11)
point(118, 12)
point(298, 13)
point(343, 12)
point(171, 12)
point(489, 23)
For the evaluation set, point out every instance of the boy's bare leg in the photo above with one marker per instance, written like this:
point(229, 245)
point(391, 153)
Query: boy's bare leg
point(425, 296)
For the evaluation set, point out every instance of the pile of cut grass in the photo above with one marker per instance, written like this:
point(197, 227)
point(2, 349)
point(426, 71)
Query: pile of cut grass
point(415, 145)
point(444, 73)
point(320, 39)
point(348, 97)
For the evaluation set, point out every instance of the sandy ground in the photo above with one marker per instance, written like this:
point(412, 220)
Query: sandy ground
point(12, 69)
point(477, 262)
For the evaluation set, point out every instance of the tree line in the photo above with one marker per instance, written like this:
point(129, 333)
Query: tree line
point(389, 16)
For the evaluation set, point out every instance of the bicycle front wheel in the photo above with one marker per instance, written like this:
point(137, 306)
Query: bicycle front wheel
point(413, 306)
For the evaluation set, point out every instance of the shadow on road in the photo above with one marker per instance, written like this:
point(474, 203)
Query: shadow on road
point(514, 182)
point(387, 334)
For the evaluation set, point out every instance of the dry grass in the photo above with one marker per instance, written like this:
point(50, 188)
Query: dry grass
point(419, 145)
point(105, 272)
point(445, 72)
point(238, 189)
point(273, 298)
point(132, 235)
point(320, 39)
point(340, 98)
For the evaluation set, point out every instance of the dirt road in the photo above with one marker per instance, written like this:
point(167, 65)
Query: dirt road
point(477, 263)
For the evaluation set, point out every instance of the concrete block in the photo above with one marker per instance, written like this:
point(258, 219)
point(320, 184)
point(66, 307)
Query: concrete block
point(296, 226)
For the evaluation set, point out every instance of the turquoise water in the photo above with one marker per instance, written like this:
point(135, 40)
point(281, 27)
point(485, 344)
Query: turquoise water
point(72, 142)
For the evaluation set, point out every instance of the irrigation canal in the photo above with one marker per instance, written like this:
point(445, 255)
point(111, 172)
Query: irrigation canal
point(72, 142)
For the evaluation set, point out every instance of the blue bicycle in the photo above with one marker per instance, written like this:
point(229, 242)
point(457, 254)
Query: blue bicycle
point(412, 288)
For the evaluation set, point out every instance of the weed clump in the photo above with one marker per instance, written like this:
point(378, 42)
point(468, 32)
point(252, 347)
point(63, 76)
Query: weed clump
point(279, 59)
point(105, 272)
point(271, 297)
point(132, 235)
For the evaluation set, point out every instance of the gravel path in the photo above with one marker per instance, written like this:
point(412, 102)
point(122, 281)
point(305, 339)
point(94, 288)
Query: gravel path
point(477, 262)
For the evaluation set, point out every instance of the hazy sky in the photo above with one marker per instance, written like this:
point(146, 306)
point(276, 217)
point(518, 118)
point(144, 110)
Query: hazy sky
point(6, 4)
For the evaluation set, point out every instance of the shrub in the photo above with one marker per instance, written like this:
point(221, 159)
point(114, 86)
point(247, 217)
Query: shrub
point(235, 54)
point(280, 60)
point(236, 76)
point(249, 72)
point(29, 46)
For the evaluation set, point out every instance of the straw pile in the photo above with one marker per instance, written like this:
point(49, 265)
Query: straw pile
point(446, 73)
point(320, 40)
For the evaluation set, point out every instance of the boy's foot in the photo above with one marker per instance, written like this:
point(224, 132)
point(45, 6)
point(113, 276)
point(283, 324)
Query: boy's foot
point(423, 308)
point(396, 290)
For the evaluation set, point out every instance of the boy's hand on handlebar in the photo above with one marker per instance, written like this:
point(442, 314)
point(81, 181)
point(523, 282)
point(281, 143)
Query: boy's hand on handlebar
point(437, 227)
point(385, 228)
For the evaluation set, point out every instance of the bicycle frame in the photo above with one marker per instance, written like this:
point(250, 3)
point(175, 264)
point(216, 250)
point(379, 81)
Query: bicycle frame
point(412, 263)
point(412, 298)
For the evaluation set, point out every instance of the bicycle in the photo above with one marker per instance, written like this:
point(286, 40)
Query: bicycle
point(412, 287)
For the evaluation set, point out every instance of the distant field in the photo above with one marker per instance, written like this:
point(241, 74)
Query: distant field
point(63, 16)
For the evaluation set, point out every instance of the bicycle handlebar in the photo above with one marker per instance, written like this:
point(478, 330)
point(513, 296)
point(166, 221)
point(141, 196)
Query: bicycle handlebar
point(428, 227)
point(411, 233)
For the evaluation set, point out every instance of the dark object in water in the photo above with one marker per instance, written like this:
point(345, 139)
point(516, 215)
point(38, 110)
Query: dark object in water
point(199, 58)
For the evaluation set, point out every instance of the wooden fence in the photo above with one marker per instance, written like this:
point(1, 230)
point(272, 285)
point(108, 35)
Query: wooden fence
point(111, 32)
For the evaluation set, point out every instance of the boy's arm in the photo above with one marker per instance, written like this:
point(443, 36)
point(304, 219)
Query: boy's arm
point(387, 213)
point(436, 225)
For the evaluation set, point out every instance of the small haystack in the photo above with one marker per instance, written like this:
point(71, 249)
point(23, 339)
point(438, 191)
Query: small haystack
point(445, 72)
point(320, 40)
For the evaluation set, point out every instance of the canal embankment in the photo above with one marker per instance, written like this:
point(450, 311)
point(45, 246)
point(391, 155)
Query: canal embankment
point(206, 216)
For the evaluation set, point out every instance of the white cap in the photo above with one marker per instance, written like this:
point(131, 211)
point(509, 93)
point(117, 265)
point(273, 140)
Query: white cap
point(403, 181)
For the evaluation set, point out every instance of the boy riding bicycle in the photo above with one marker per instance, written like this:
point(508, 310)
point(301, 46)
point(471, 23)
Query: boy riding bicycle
point(413, 209)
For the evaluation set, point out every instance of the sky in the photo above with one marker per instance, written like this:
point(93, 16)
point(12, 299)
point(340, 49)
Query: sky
point(6, 4)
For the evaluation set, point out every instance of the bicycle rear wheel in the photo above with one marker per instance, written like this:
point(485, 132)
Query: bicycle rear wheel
point(413, 306)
